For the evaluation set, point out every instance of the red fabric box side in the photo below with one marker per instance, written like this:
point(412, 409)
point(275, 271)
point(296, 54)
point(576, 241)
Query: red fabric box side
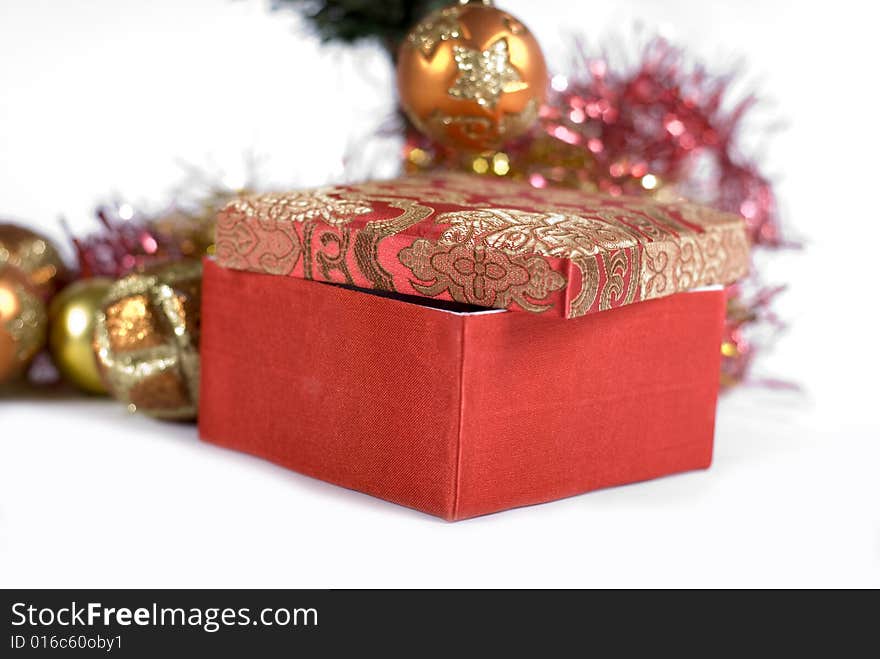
point(340, 385)
point(553, 408)
point(456, 415)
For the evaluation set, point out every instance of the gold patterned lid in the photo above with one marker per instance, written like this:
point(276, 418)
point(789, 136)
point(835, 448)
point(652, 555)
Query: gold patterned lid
point(486, 242)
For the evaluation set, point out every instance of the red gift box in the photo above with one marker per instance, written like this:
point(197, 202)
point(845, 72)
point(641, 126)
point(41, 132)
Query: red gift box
point(456, 414)
point(399, 382)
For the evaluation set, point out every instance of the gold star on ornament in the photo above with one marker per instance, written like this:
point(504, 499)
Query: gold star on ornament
point(483, 75)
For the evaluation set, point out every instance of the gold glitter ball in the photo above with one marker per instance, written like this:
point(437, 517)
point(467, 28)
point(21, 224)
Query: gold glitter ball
point(147, 340)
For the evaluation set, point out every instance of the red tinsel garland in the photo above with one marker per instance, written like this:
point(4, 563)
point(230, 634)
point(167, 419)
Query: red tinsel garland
point(129, 240)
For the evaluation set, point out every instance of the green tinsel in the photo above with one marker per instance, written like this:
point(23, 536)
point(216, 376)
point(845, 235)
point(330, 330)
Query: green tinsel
point(353, 20)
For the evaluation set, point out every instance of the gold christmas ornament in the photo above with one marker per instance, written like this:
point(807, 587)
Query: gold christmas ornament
point(35, 256)
point(22, 323)
point(471, 76)
point(72, 317)
point(147, 340)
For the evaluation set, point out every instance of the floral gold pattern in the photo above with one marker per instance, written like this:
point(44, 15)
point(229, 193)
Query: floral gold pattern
point(521, 232)
point(491, 243)
point(480, 275)
point(562, 235)
point(276, 215)
point(271, 209)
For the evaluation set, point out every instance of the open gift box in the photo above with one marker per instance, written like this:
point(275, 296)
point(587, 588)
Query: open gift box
point(487, 345)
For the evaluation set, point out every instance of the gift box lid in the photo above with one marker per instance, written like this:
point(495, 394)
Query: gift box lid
point(485, 242)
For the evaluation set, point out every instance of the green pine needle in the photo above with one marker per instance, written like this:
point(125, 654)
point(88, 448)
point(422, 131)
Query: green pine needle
point(349, 21)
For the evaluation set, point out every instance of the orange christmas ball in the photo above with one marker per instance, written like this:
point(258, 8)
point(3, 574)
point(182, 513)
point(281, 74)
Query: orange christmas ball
point(22, 323)
point(471, 76)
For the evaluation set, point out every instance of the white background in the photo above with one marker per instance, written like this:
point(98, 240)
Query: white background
point(108, 97)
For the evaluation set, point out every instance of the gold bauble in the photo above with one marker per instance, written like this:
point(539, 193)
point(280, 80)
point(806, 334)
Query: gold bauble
point(147, 340)
point(471, 76)
point(34, 255)
point(22, 323)
point(72, 317)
